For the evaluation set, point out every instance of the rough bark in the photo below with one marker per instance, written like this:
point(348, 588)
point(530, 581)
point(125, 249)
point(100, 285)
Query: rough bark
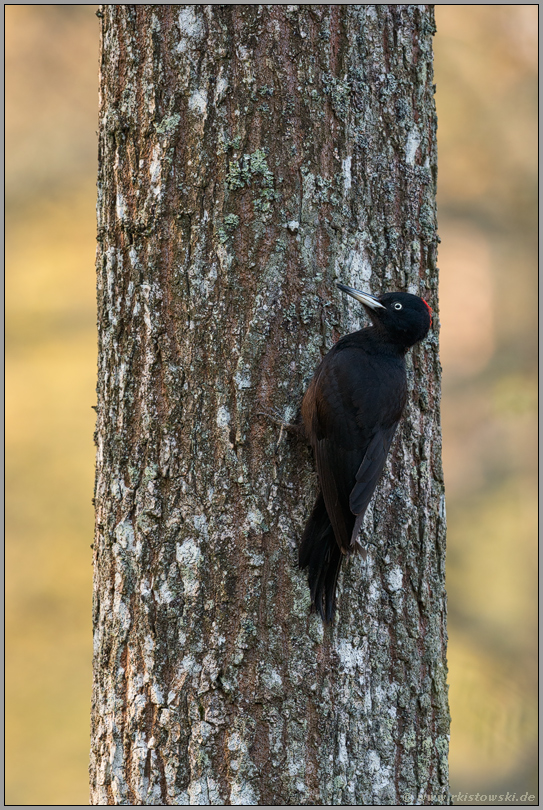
point(248, 157)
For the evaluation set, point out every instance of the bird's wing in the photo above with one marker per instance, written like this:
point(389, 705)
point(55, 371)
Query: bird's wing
point(370, 470)
point(348, 483)
point(337, 468)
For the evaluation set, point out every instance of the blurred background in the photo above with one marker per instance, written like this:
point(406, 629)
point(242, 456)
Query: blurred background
point(486, 76)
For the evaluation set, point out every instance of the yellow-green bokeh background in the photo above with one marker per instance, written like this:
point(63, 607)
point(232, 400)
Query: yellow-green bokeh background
point(486, 73)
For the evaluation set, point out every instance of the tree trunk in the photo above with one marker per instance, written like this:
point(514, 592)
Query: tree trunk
point(250, 155)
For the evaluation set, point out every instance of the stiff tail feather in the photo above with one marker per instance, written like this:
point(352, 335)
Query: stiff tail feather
point(321, 555)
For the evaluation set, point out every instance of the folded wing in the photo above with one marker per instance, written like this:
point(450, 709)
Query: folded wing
point(348, 478)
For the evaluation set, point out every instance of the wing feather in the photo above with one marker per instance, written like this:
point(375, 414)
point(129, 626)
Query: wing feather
point(370, 470)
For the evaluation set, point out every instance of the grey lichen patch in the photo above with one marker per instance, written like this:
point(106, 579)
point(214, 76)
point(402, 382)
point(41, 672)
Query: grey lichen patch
point(226, 143)
point(271, 681)
point(242, 172)
point(243, 790)
point(230, 223)
point(168, 125)
point(339, 91)
point(191, 28)
point(252, 171)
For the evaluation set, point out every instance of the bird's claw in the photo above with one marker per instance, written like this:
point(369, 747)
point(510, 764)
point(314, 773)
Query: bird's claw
point(275, 417)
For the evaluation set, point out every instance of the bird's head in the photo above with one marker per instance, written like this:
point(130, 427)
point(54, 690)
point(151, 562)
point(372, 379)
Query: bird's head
point(405, 318)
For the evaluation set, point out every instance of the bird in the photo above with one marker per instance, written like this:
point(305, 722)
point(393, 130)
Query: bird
point(350, 412)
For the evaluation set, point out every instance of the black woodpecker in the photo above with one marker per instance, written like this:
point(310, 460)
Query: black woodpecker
point(350, 413)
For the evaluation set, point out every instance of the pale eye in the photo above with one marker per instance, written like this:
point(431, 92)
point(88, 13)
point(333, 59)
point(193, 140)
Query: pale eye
point(397, 305)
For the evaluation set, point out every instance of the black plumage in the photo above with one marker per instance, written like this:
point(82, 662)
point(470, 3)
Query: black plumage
point(350, 413)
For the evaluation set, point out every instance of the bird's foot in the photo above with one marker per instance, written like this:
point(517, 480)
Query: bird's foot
point(274, 416)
